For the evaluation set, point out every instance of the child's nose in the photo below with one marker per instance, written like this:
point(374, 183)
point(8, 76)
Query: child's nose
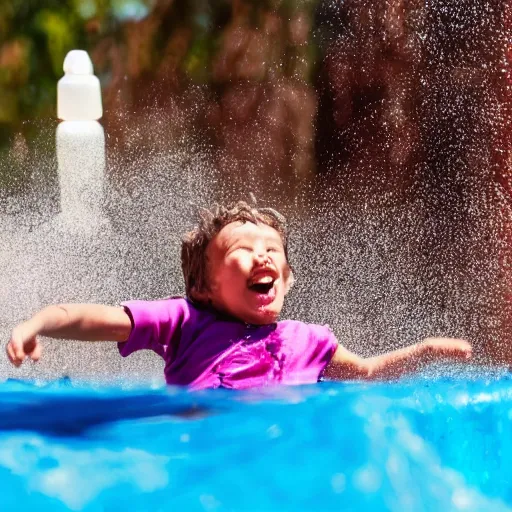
point(261, 257)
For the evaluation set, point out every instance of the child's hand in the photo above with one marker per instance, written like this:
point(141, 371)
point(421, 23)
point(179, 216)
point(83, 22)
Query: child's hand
point(449, 348)
point(23, 344)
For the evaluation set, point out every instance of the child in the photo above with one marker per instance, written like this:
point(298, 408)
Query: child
point(226, 333)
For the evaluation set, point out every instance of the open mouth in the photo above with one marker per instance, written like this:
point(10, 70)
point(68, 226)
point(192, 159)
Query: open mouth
point(262, 284)
point(262, 287)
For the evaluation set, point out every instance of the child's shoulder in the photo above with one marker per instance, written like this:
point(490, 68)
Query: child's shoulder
point(167, 306)
point(298, 325)
point(192, 311)
point(178, 302)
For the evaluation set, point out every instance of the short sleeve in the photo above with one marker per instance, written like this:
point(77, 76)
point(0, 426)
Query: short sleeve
point(156, 325)
point(322, 347)
point(309, 349)
point(327, 347)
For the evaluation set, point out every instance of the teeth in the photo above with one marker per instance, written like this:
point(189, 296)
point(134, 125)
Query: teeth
point(263, 280)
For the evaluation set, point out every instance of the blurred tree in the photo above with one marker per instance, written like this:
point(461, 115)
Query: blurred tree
point(34, 39)
point(189, 59)
point(238, 74)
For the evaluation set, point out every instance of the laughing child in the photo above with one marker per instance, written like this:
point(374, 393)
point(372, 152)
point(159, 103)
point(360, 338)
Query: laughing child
point(226, 332)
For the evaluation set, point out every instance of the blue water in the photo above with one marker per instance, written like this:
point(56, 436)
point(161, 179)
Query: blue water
point(419, 445)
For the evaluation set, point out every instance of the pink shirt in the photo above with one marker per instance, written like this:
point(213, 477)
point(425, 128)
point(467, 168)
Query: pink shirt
point(203, 348)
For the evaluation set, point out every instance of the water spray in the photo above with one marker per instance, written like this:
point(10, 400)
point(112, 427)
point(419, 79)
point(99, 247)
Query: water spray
point(80, 141)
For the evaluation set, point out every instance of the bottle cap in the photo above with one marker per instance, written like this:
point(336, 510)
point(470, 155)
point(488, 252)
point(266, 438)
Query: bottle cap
point(78, 91)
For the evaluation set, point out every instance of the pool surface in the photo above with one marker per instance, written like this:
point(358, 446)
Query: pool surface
point(416, 445)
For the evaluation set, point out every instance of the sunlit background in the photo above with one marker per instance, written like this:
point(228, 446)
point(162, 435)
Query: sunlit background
point(381, 129)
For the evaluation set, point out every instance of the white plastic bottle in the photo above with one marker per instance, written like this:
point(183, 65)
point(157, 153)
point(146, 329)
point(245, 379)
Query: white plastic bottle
point(80, 141)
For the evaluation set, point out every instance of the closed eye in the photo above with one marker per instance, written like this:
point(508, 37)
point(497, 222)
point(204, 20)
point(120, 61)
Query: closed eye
point(244, 248)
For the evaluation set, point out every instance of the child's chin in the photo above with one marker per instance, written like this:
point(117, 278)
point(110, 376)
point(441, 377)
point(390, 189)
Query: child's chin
point(267, 315)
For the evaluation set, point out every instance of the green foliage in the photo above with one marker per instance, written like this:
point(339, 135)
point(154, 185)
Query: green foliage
point(35, 36)
point(32, 47)
point(59, 32)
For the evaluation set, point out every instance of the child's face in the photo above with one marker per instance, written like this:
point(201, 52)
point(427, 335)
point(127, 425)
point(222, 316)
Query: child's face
point(248, 272)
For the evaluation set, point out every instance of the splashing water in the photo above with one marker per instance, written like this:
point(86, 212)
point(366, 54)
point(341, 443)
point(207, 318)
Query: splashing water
point(325, 447)
point(401, 232)
point(397, 236)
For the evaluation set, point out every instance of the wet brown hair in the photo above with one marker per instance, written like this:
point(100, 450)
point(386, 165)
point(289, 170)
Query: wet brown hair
point(194, 261)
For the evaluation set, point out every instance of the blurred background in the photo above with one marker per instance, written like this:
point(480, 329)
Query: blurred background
point(307, 85)
point(381, 128)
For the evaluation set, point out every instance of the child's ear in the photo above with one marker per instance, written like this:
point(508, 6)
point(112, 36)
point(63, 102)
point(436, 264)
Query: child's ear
point(289, 279)
point(201, 296)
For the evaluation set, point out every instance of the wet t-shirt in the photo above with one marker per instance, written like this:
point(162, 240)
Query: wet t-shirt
point(205, 349)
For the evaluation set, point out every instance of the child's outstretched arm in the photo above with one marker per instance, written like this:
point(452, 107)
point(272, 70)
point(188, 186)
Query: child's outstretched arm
point(86, 322)
point(346, 365)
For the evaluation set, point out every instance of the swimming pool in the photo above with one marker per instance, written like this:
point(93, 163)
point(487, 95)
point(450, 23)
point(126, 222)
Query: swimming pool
point(412, 445)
